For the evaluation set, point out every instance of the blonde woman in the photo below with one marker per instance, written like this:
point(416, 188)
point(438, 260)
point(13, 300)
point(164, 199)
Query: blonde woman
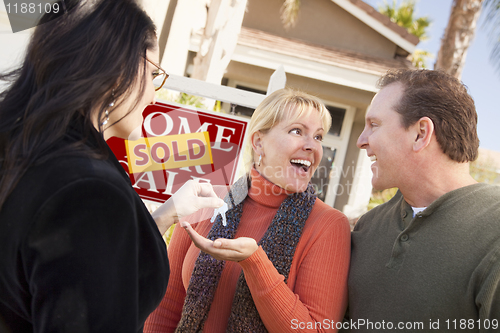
point(281, 262)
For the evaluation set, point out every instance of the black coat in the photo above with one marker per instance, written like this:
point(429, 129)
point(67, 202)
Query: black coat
point(79, 251)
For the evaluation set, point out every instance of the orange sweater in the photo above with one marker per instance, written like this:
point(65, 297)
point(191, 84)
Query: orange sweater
point(316, 291)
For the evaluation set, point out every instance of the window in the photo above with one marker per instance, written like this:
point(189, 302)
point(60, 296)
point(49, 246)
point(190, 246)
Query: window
point(321, 177)
point(337, 119)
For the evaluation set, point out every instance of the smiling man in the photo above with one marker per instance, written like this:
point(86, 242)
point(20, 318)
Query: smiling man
point(429, 259)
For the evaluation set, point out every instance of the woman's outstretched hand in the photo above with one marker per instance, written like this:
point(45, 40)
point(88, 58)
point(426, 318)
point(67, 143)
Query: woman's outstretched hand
point(191, 197)
point(223, 249)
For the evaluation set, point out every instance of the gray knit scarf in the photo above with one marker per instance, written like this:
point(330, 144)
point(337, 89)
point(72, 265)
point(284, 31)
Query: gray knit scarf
point(279, 243)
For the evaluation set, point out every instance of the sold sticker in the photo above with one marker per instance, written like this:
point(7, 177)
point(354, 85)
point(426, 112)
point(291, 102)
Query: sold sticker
point(168, 152)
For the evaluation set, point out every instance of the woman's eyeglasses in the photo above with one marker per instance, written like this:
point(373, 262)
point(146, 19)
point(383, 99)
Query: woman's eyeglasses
point(160, 74)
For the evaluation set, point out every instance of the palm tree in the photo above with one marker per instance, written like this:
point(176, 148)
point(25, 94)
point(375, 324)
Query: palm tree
point(458, 36)
point(460, 32)
point(404, 16)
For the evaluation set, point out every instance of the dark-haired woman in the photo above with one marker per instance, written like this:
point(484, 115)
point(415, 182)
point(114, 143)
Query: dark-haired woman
point(79, 251)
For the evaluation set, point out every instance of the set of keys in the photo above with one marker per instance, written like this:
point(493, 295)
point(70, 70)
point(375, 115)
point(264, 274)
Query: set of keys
point(222, 211)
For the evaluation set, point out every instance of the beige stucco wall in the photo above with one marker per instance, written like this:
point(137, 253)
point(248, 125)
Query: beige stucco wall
point(322, 22)
point(325, 90)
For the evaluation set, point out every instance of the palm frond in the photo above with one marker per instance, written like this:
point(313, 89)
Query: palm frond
point(419, 27)
point(290, 13)
point(404, 16)
point(419, 58)
point(492, 10)
point(389, 10)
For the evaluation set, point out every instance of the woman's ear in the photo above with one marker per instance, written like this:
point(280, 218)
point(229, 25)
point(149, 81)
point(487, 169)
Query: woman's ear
point(257, 143)
point(424, 129)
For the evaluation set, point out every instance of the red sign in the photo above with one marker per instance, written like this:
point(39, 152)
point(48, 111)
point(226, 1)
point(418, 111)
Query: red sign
point(226, 134)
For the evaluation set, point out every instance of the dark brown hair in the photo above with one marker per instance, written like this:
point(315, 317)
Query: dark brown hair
point(446, 101)
point(77, 62)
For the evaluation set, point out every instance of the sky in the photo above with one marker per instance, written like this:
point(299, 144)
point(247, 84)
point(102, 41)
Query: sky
point(479, 74)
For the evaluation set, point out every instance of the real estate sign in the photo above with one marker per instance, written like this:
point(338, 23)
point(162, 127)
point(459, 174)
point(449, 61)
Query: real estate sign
point(179, 144)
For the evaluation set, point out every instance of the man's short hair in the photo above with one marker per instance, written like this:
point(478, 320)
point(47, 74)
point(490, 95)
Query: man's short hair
point(445, 100)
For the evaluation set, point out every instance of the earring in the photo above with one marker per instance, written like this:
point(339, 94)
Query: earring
point(107, 118)
point(106, 112)
point(260, 160)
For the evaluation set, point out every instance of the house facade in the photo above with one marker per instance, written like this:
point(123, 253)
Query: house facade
point(337, 51)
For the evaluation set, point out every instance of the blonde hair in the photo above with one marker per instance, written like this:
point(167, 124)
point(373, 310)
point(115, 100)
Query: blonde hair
point(283, 104)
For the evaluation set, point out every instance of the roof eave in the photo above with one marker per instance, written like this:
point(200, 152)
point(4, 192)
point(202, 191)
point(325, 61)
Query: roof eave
point(380, 23)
